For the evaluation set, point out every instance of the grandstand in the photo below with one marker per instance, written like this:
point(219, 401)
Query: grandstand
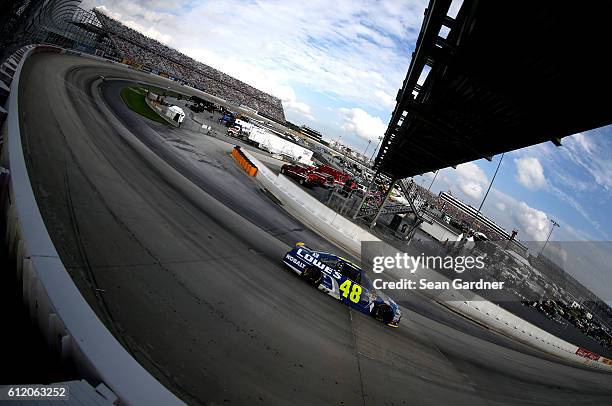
point(63, 23)
point(311, 133)
point(144, 52)
point(465, 213)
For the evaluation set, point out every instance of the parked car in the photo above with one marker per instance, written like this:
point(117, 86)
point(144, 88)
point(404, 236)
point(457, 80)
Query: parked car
point(340, 177)
point(234, 131)
point(307, 175)
point(360, 190)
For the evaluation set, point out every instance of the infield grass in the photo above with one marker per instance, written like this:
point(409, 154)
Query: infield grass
point(134, 98)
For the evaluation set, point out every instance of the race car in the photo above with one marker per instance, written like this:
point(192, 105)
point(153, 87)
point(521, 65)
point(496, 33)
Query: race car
point(343, 280)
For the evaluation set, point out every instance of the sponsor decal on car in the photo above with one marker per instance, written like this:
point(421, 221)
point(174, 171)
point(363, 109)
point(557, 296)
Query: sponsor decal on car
point(295, 261)
point(312, 258)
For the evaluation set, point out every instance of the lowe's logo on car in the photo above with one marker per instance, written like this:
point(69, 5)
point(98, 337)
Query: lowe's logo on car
point(312, 260)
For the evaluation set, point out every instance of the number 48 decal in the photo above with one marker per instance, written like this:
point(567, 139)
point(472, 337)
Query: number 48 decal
point(355, 292)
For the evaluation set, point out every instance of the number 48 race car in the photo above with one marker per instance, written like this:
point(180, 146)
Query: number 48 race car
point(344, 281)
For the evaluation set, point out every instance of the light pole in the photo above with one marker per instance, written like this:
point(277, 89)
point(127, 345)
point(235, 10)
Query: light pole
point(338, 145)
point(377, 145)
point(554, 224)
point(366, 149)
point(486, 194)
point(433, 180)
point(341, 149)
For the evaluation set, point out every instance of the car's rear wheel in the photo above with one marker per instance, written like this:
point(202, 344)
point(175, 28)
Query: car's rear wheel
point(383, 313)
point(312, 276)
point(302, 182)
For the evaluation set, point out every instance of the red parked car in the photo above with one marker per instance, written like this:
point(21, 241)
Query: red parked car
point(307, 175)
point(340, 177)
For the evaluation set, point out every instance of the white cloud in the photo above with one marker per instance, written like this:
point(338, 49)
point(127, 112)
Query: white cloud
point(571, 201)
point(530, 173)
point(385, 98)
point(500, 206)
point(300, 108)
point(357, 121)
point(150, 31)
point(471, 179)
point(591, 154)
point(533, 224)
point(139, 18)
point(532, 221)
point(585, 143)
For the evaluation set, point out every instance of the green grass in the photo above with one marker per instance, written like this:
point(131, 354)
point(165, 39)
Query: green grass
point(162, 92)
point(134, 98)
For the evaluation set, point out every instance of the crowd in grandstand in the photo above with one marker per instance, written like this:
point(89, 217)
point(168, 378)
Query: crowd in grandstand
point(141, 50)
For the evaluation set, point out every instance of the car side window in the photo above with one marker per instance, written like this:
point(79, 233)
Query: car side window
point(329, 261)
point(350, 272)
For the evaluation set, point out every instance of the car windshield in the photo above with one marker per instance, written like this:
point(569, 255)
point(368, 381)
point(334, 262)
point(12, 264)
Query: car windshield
point(329, 260)
point(350, 271)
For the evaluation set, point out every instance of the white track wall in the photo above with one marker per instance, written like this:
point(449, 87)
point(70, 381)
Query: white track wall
point(66, 320)
point(310, 211)
point(348, 235)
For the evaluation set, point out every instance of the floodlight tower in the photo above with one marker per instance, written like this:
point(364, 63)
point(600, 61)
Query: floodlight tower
point(554, 224)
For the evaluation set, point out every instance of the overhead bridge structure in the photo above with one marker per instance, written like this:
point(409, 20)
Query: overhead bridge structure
point(499, 76)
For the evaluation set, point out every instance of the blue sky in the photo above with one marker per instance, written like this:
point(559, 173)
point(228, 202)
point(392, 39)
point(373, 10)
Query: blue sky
point(337, 67)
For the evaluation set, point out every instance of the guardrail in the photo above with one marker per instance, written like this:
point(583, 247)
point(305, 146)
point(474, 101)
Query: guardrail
point(55, 304)
point(349, 235)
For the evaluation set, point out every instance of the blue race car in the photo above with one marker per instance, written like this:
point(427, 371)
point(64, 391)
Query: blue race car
point(344, 281)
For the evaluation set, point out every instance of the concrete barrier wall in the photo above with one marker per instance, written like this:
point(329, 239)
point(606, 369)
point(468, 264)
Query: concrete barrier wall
point(53, 300)
point(349, 236)
point(438, 231)
point(310, 211)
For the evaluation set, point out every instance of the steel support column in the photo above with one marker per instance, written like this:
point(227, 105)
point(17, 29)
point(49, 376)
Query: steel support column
point(365, 195)
point(373, 223)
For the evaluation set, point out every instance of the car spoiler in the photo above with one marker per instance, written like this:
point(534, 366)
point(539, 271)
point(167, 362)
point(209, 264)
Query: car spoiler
point(300, 244)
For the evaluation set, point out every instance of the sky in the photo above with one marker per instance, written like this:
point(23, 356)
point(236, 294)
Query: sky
point(337, 67)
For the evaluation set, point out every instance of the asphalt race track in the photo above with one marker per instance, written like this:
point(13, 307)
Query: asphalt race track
point(179, 253)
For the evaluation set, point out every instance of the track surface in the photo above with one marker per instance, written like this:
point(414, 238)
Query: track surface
point(185, 271)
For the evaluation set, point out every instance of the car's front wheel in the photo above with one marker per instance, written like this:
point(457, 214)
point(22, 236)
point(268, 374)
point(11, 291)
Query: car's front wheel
point(312, 275)
point(383, 313)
